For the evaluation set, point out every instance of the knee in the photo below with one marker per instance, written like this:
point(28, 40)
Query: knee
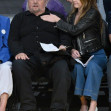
point(78, 70)
point(61, 67)
point(92, 66)
point(6, 66)
point(78, 66)
point(18, 65)
point(93, 69)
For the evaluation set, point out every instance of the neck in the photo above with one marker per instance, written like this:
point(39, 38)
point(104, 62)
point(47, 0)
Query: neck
point(39, 12)
point(79, 10)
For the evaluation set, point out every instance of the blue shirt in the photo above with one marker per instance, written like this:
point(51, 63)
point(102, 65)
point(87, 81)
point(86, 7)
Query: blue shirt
point(4, 32)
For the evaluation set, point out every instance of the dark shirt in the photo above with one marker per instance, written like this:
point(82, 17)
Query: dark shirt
point(28, 30)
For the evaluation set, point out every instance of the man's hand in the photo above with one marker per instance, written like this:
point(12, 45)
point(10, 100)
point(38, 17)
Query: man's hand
point(62, 47)
point(22, 56)
point(75, 54)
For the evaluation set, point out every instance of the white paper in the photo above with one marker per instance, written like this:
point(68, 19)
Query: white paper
point(49, 47)
point(84, 65)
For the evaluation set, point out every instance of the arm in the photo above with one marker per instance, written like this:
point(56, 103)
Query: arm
point(65, 38)
point(81, 26)
point(14, 36)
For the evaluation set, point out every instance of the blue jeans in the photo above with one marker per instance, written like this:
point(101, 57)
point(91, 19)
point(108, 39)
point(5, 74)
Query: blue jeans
point(109, 77)
point(88, 79)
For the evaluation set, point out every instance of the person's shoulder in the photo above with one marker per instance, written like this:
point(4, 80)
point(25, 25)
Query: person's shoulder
point(20, 15)
point(4, 17)
point(92, 10)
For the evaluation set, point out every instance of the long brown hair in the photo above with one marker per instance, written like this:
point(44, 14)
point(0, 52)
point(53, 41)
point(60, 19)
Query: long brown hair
point(86, 5)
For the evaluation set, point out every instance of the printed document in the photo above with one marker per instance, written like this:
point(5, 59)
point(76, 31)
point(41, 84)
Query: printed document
point(49, 47)
point(84, 64)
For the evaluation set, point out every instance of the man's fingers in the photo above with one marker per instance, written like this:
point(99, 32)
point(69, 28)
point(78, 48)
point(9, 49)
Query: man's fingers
point(21, 56)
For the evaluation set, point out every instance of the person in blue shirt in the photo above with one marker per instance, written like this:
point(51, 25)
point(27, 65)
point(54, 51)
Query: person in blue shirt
point(6, 84)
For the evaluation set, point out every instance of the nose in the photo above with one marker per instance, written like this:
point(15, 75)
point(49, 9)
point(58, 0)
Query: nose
point(35, 1)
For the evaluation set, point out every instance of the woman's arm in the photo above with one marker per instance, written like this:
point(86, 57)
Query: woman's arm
point(74, 30)
point(81, 26)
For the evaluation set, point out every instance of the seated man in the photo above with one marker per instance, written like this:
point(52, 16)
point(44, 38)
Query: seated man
point(26, 32)
point(6, 84)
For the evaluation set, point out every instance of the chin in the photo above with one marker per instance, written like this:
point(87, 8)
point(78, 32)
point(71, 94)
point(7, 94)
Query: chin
point(76, 6)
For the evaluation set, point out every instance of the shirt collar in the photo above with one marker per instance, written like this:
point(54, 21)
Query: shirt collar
point(47, 12)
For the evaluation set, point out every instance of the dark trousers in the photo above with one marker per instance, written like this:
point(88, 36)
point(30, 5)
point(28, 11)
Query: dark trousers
point(58, 72)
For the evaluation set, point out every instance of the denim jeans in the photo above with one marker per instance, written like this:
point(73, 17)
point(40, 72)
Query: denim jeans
point(88, 79)
point(109, 77)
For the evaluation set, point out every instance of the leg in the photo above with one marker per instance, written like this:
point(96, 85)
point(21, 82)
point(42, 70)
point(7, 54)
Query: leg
point(84, 106)
point(94, 75)
point(22, 71)
point(61, 83)
point(79, 79)
point(3, 101)
point(5, 87)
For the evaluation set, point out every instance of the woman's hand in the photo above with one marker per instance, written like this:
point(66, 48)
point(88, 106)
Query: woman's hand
point(75, 54)
point(50, 18)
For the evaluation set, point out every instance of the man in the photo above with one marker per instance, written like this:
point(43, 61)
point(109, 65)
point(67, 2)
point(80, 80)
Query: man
point(26, 32)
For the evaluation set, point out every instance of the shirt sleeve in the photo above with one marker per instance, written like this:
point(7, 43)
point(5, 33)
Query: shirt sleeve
point(14, 36)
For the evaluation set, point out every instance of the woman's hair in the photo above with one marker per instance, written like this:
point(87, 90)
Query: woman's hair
point(86, 5)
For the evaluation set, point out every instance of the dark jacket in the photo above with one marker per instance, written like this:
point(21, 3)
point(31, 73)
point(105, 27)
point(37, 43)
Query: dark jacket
point(86, 33)
point(4, 31)
point(28, 30)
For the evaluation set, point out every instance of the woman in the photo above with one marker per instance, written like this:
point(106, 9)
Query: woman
point(6, 84)
point(85, 26)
